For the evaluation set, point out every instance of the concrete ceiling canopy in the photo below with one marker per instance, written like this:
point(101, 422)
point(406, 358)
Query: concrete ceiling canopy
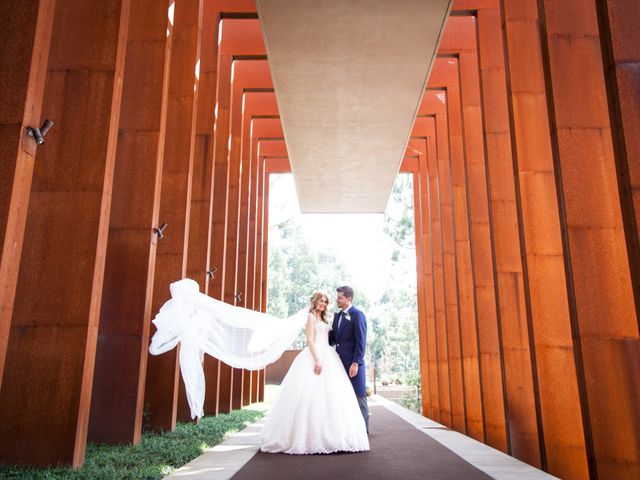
point(349, 76)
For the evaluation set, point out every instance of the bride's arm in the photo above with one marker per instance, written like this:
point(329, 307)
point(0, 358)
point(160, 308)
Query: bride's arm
point(310, 331)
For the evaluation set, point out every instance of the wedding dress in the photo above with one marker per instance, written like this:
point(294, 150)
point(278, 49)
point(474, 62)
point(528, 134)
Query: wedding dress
point(315, 413)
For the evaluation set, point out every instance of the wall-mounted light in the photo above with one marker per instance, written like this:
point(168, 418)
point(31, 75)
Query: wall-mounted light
point(39, 133)
point(238, 297)
point(160, 230)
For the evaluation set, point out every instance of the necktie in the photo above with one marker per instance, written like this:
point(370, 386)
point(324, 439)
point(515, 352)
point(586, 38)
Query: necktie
point(342, 314)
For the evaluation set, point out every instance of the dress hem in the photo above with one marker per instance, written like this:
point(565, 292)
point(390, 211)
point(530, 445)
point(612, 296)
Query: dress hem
point(316, 452)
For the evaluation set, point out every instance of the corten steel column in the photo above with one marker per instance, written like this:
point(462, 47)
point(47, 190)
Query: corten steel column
point(561, 405)
point(260, 104)
point(246, 272)
point(202, 186)
point(526, 438)
point(523, 435)
point(598, 276)
point(621, 58)
point(261, 284)
point(430, 311)
point(253, 76)
point(255, 379)
point(491, 371)
point(446, 127)
point(46, 389)
point(421, 279)
point(247, 74)
point(123, 338)
point(425, 301)
point(161, 393)
point(243, 75)
point(432, 325)
point(464, 222)
point(260, 78)
point(23, 67)
point(219, 209)
point(440, 330)
point(231, 239)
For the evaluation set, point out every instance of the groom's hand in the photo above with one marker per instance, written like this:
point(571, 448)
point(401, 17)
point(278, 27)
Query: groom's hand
point(353, 370)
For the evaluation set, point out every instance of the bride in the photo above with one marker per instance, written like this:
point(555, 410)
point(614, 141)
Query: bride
point(317, 410)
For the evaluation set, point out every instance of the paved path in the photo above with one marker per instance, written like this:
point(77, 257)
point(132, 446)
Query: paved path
point(403, 445)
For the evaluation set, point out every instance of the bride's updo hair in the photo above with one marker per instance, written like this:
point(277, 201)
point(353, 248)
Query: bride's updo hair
point(315, 298)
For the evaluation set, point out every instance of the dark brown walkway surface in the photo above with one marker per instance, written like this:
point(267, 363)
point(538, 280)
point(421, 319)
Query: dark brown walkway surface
point(398, 450)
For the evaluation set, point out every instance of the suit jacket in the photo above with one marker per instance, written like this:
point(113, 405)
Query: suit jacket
point(351, 342)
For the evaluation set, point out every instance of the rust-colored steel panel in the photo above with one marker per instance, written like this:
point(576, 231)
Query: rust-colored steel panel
point(447, 76)
point(263, 105)
point(258, 291)
point(252, 264)
point(265, 241)
point(448, 138)
point(523, 409)
point(440, 328)
point(621, 61)
point(123, 338)
point(26, 40)
point(487, 326)
point(46, 389)
point(221, 177)
point(420, 266)
point(245, 74)
point(237, 392)
point(218, 213)
point(541, 240)
point(599, 285)
point(161, 395)
point(183, 412)
point(472, 5)
point(426, 305)
point(231, 237)
point(198, 261)
point(427, 243)
point(246, 388)
point(430, 292)
point(259, 78)
point(255, 379)
point(261, 386)
point(225, 379)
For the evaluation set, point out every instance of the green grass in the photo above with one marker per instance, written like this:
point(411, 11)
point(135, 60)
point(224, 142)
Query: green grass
point(157, 455)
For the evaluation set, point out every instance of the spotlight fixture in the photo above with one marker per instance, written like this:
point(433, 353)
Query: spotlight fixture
point(160, 231)
point(39, 133)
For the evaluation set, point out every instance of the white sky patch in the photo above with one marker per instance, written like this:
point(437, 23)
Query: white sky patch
point(357, 240)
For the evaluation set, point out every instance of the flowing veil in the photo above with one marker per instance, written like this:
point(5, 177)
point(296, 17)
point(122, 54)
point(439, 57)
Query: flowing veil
point(239, 337)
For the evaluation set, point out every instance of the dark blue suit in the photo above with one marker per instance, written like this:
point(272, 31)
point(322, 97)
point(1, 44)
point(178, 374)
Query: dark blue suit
point(351, 342)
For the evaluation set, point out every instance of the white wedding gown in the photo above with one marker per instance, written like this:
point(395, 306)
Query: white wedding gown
point(313, 414)
point(316, 413)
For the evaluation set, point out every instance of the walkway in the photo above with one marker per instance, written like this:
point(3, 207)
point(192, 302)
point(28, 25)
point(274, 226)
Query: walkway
point(403, 445)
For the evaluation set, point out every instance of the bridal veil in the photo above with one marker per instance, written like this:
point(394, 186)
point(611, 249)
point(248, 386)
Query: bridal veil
point(239, 337)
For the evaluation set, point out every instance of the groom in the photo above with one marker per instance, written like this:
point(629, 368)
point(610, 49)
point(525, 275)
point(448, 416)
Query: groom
point(349, 335)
